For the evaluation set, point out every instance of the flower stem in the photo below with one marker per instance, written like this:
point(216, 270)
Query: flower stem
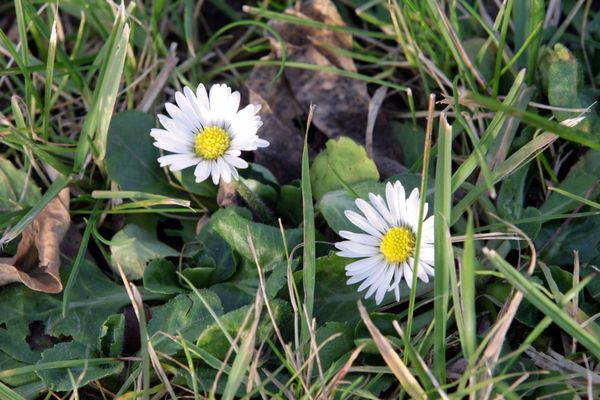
point(254, 202)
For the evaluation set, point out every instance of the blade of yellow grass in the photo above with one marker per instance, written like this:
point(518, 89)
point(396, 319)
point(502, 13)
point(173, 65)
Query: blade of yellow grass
point(392, 359)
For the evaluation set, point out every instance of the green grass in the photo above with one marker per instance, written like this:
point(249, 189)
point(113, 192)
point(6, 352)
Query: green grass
point(249, 301)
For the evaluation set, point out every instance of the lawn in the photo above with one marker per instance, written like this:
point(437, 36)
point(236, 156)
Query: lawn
point(329, 199)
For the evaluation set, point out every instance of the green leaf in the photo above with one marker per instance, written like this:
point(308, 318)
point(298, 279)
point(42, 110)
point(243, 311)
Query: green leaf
point(342, 162)
point(136, 247)
point(241, 288)
point(289, 205)
point(562, 79)
point(93, 299)
point(268, 243)
point(17, 191)
point(575, 236)
point(335, 348)
point(582, 175)
point(411, 140)
point(334, 299)
point(185, 315)
point(188, 180)
point(214, 341)
point(6, 363)
point(131, 158)
point(110, 342)
point(160, 276)
point(483, 62)
point(58, 379)
point(219, 250)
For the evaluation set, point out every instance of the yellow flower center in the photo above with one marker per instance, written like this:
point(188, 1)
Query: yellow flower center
point(398, 244)
point(211, 142)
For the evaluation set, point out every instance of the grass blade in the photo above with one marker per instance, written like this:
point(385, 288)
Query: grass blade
point(443, 247)
point(467, 291)
point(309, 255)
point(392, 359)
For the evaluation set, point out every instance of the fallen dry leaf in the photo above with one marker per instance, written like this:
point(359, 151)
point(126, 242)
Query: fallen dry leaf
point(342, 102)
point(37, 261)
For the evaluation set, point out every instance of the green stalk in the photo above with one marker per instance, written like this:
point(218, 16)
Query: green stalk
point(253, 201)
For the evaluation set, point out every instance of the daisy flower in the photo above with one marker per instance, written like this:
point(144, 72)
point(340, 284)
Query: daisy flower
point(387, 242)
point(207, 131)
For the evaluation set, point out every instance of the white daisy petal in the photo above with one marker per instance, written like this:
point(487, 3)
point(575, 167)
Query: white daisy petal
point(382, 209)
point(235, 161)
point(202, 171)
point(233, 104)
point(362, 223)
point(412, 209)
point(215, 172)
point(176, 127)
point(361, 250)
point(224, 170)
point(372, 278)
point(202, 96)
point(199, 109)
point(165, 136)
point(384, 284)
point(188, 121)
point(372, 216)
point(396, 284)
point(178, 162)
point(360, 238)
point(408, 274)
point(364, 265)
point(172, 146)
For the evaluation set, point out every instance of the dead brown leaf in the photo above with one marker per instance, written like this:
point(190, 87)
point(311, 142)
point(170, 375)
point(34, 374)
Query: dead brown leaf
point(342, 102)
point(37, 261)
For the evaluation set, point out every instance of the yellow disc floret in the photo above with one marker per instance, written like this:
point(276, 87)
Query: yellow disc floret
point(211, 142)
point(398, 244)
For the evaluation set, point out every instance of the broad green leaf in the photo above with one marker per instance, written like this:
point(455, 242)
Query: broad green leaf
point(342, 162)
point(136, 247)
point(268, 243)
point(510, 203)
point(562, 78)
point(582, 175)
point(214, 341)
point(289, 205)
point(94, 297)
point(483, 62)
point(160, 276)
point(7, 362)
point(335, 348)
point(131, 158)
point(58, 379)
point(576, 236)
point(17, 191)
point(110, 342)
point(215, 247)
point(334, 299)
point(188, 180)
point(411, 140)
point(241, 288)
point(185, 315)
